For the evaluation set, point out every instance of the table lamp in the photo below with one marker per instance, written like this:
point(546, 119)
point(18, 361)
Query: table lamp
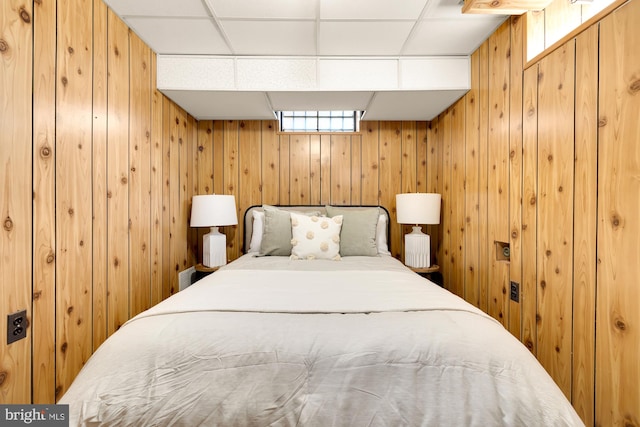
point(416, 209)
point(213, 210)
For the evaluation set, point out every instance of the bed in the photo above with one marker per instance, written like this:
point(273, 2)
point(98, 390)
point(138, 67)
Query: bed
point(357, 340)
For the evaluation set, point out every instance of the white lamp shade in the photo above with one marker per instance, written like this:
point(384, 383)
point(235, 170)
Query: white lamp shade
point(213, 210)
point(418, 208)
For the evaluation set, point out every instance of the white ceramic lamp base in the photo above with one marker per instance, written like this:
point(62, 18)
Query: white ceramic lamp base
point(214, 248)
point(417, 249)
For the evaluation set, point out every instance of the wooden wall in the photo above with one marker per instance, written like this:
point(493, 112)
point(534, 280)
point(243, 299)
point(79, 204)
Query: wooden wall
point(258, 164)
point(550, 164)
point(96, 180)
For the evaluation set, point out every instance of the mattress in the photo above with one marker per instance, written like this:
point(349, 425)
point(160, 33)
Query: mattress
point(272, 341)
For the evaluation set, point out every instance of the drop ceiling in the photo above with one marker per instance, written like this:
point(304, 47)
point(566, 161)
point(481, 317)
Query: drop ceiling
point(245, 59)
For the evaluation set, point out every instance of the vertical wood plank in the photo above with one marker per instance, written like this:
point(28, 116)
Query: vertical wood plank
point(270, 163)
point(139, 175)
point(560, 15)
point(433, 160)
point(73, 191)
point(16, 155)
point(618, 293)
point(445, 136)
point(315, 162)
point(100, 219)
point(250, 186)
point(409, 152)
point(515, 169)
point(529, 289)
point(457, 198)
point(486, 246)
point(584, 224)
point(340, 170)
point(175, 245)
point(299, 180)
point(167, 139)
point(325, 169)
point(231, 181)
point(193, 235)
point(498, 183)
point(356, 170)
point(118, 174)
point(370, 161)
point(555, 213)
point(421, 157)
point(157, 186)
point(44, 226)
point(390, 162)
point(535, 33)
point(472, 179)
point(285, 170)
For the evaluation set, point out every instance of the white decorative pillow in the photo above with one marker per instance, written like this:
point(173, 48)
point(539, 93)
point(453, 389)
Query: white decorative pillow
point(381, 236)
point(256, 231)
point(315, 237)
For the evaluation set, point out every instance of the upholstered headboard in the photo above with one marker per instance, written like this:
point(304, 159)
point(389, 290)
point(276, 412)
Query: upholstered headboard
point(248, 217)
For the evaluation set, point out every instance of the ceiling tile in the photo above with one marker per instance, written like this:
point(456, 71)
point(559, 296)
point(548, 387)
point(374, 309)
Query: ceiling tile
point(318, 101)
point(371, 9)
point(271, 37)
point(205, 105)
point(449, 37)
point(362, 38)
point(260, 9)
point(179, 35)
point(411, 105)
point(182, 8)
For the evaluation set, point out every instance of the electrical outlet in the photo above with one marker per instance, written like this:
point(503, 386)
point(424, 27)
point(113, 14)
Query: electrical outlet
point(16, 326)
point(515, 292)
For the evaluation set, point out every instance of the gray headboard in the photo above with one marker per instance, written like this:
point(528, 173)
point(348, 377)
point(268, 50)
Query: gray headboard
point(248, 217)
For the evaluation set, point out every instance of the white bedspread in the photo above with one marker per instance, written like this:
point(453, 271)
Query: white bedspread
point(360, 342)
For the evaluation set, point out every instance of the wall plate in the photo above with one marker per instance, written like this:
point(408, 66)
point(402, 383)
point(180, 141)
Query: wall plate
point(16, 326)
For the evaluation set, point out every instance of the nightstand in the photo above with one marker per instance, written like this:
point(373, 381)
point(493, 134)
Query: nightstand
point(202, 271)
point(432, 273)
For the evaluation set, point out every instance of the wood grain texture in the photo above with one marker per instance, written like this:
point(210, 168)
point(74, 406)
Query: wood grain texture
point(300, 169)
point(73, 190)
point(325, 169)
point(315, 165)
point(529, 235)
point(559, 18)
point(157, 173)
point(16, 247)
point(457, 200)
point(356, 170)
point(44, 232)
point(486, 245)
point(471, 248)
point(444, 132)
point(555, 213)
point(285, 170)
point(270, 163)
point(515, 169)
point(535, 33)
point(618, 251)
point(340, 170)
point(139, 175)
point(585, 226)
point(100, 171)
point(498, 177)
point(118, 176)
point(370, 162)
point(250, 180)
point(390, 176)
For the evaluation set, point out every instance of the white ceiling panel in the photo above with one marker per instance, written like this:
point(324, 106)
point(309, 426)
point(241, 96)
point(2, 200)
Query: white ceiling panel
point(319, 101)
point(223, 105)
point(362, 38)
point(182, 8)
point(448, 37)
point(371, 9)
point(271, 37)
point(180, 35)
point(222, 59)
point(260, 9)
point(414, 105)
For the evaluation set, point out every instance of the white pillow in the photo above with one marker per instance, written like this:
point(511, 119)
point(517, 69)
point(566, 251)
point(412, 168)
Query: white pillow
point(381, 236)
point(256, 231)
point(315, 237)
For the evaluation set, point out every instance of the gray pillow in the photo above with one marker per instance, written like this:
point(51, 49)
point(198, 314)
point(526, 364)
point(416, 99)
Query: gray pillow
point(358, 234)
point(276, 235)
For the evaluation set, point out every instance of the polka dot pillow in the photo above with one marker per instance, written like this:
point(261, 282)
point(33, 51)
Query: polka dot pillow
point(315, 237)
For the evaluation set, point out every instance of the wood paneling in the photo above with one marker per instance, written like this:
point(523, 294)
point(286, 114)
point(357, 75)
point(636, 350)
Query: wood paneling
point(457, 200)
point(15, 193)
point(585, 226)
point(555, 213)
point(44, 124)
point(74, 242)
point(618, 252)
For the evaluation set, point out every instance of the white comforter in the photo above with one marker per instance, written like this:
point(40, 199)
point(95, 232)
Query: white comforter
point(360, 342)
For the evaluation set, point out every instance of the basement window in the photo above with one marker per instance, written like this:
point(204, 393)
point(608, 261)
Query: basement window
point(319, 121)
